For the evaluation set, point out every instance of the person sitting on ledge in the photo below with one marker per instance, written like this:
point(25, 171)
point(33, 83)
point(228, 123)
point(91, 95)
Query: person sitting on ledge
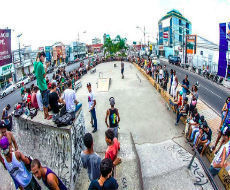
point(49, 178)
point(70, 99)
point(219, 159)
point(183, 111)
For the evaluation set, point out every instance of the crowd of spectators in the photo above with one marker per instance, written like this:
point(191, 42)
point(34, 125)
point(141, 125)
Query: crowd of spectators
point(198, 133)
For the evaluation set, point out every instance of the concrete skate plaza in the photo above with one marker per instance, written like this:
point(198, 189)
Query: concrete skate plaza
point(159, 144)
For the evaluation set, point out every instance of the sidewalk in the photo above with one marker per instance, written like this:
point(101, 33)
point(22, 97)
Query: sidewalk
point(152, 155)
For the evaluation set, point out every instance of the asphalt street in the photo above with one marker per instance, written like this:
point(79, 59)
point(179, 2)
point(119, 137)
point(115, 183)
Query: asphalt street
point(15, 96)
point(212, 94)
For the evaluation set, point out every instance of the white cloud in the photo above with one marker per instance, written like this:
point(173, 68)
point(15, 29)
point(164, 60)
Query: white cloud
point(44, 22)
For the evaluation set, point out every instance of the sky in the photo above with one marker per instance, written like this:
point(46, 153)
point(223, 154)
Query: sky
point(45, 22)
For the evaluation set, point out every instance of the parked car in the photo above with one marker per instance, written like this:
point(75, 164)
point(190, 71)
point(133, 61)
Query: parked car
point(50, 69)
point(8, 89)
point(155, 60)
point(77, 85)
point(62, 65)
point(24, 80)
point(175, 60)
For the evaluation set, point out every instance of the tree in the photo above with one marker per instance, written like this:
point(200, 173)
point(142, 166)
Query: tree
point(117, 45)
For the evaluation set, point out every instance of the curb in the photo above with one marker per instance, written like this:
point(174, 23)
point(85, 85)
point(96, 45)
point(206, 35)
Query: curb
point(138, 162)
point(223, 174)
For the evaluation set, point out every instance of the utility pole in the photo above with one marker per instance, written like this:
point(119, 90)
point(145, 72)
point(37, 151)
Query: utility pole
point(19, 48)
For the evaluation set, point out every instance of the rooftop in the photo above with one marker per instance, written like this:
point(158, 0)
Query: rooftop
point(174, 13)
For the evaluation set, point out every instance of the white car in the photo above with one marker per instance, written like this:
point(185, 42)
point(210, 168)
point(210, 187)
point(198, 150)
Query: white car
point(24, 80)
point(62, 65)
point(155, 61)
point(77, 85)
point(8, 89)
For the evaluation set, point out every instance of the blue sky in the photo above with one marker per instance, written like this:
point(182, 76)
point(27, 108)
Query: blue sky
point(44, 22)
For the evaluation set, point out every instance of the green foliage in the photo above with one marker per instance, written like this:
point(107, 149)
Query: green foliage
point(115, 46)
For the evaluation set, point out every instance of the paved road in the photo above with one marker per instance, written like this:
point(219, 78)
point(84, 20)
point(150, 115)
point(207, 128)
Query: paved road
point(15, 97)
point(211, 93)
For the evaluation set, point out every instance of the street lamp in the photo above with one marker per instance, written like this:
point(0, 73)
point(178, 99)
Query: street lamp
point(142, 30)
point(84, 32)
point(19, 48)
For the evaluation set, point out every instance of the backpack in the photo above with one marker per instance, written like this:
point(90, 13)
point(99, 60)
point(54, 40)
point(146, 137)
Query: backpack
point(33, 112)
point(18, 113)
point(64, 120)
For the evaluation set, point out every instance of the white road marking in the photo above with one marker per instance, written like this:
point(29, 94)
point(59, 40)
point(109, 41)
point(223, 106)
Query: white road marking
point(211, 92)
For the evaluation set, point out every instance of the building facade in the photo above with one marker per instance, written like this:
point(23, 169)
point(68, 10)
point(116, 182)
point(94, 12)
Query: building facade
point(96, 41)
point(173, 28)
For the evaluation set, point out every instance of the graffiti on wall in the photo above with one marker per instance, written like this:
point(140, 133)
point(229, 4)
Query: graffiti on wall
point(56, 148)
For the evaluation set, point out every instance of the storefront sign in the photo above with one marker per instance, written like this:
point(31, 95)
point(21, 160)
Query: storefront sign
point(5, 47)
point(191, 44)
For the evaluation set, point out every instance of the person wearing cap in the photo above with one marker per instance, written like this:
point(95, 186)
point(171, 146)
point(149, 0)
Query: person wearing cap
point(183, 111)
point(7, 118)
point(15, 163)
point(40, 73)
point(221, 156)
point(9, 135)
point(92, 104)
point(113, 116)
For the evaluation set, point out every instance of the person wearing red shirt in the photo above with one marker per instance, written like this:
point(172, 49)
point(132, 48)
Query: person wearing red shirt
point(29, 103)
point(34, 98)
point(113, 147)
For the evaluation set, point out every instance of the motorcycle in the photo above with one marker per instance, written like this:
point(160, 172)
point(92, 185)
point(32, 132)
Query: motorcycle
point(220, 81)
point(216, 78)
point(211, 76)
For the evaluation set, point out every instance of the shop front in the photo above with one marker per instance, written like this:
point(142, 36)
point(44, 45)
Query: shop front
point(6, 75)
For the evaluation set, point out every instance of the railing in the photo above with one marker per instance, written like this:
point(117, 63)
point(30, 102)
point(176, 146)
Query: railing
point(196, 154)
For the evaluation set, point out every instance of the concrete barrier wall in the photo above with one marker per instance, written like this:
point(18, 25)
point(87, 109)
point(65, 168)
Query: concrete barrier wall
point(56, 148)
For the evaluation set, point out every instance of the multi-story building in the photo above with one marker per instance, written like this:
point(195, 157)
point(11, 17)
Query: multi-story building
point(173, 28)
point(96, 41)
point(77, 50)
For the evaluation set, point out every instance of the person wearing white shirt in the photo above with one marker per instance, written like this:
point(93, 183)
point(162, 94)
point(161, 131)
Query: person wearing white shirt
point(70, 99)
point(92, 104)
point(39, 100)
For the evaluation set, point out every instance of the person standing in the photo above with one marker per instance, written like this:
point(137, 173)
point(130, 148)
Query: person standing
point(15, 164)
point(7, 118)
point(174, 85)
point(185, 86)
point(22, 90)
point(171, 80)
point(40, 73)
point(49, 178)
point(92, 104)
point(90, 160)
point(122, 68)
point(106, 181)
point(113, 116)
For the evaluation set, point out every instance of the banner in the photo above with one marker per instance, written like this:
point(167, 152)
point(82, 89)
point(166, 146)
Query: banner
point(5, 47)
point(191, 44)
